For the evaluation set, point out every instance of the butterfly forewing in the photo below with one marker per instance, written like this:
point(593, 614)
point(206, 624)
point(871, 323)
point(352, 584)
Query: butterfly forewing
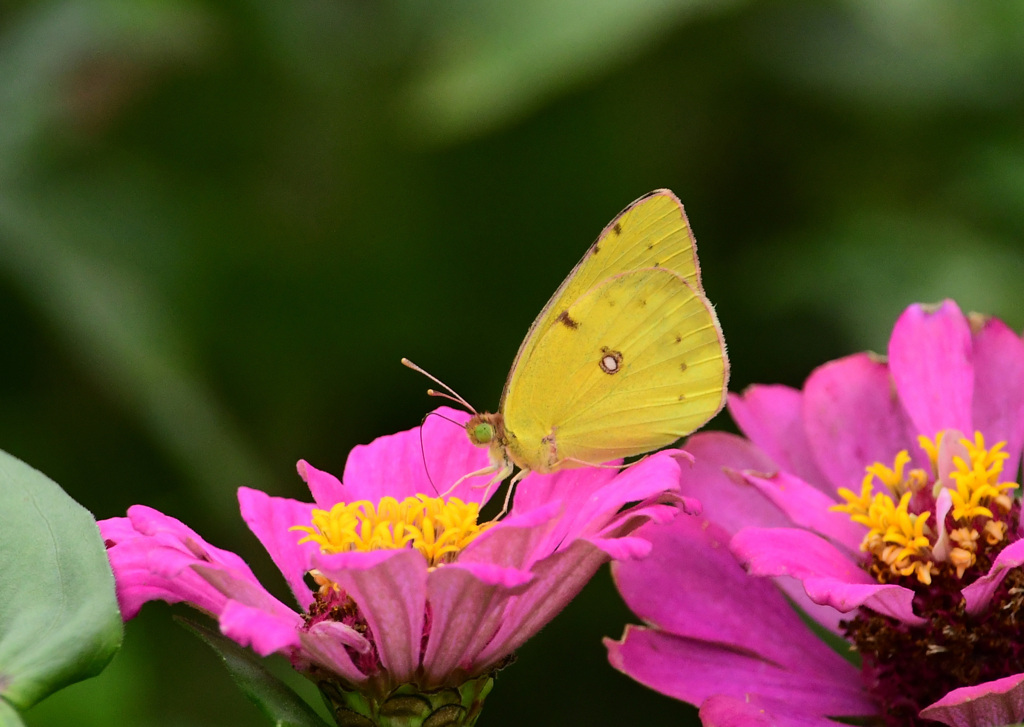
point(632, 365)
point(651, 232)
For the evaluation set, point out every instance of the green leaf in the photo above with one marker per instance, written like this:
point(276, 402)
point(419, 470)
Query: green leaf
point(9, 716)
point(59, 621)
point(274, 698)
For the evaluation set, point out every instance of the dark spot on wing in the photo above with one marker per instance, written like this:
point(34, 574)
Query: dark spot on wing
point(611, 361)
point(682, 366)
point(596, 249)
point(679, 338)
point(657, 264)
point(617, 228)
point(568, 322)
point(682, 396)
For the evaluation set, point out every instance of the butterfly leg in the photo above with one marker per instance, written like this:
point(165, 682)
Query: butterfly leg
point(504, 472)
point(488, 470)
point(511, 486)
point(499, 470)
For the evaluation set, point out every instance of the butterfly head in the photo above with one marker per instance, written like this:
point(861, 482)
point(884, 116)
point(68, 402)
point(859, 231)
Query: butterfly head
point(486, 429)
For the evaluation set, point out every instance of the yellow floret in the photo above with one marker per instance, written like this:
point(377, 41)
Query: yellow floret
point(438, 528)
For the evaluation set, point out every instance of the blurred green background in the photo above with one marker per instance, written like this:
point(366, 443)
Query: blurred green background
point(223, 223)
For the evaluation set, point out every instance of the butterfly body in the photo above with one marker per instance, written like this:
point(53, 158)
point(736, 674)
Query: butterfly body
point(626, 357)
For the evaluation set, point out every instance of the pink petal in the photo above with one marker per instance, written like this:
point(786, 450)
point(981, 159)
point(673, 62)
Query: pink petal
point(465, 613)
point(491, 574)
point(331, 564)
point(133, 564)
point(558, 579)
point(391, 594)
point(722, 711)
point(772, 417)
point(169, 531)
point(593, 497)
point(951, 447)
point(930, 360)
point(324, 645)
point(571, 486)
point(427, 459)
point(517, 542)
point(326, 489)
point(655, 478)
point(854, 419)
point(662, 508)
point(889, 600)
point(978, 595)
point(808, 507)
point(825, 615)
point(338, 632)
point(266, 633)
point(693, 671)
point(943, 504)
point(622, 548)
point(245, 592)
point(692, 586)
point(151, 555)
point(999, 388)
point(711, 479)
point(116, 530)
point(828, 575)
point(270, 519)
point(999, 702)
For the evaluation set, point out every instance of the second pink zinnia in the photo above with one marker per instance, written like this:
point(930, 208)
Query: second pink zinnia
point(881, 499)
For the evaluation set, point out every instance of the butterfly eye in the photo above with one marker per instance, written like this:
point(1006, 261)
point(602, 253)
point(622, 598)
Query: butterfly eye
point(482, 433)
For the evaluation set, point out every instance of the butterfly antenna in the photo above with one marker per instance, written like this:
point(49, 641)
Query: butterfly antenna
point(423, 455)
point(452, 395)
point(442, 416)
point(442, 395)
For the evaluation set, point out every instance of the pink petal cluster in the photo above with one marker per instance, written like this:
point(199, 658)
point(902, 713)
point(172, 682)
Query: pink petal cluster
point(729, 642)
point(431, 627)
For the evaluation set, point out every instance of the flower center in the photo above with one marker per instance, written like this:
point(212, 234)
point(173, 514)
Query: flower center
point(436, 527)
point(935, 530)
point(903, 538)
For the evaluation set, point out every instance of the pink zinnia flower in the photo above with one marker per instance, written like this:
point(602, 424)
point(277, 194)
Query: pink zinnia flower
point(410, 591)
point(880, 499)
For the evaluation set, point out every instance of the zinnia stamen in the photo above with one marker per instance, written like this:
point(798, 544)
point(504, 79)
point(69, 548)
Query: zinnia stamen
point(892, 478)
point(931, 449)
point(977, 481)
point(995, 531)
point(438, 528)
point(899, 541)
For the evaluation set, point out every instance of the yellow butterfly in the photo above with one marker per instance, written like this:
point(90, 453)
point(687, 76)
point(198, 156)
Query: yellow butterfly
point(627, 356)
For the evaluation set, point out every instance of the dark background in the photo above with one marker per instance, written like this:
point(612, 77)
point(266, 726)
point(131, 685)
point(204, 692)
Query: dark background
point(222, 223)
